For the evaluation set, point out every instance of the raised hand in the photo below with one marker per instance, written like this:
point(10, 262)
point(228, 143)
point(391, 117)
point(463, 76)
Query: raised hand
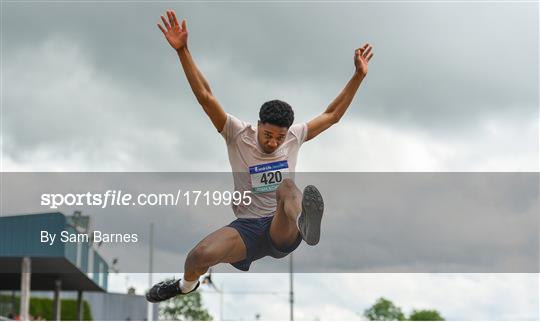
point(362, 57)
point(175, 34)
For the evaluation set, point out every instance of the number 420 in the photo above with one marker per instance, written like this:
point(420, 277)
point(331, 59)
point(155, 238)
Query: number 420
point(271, 177)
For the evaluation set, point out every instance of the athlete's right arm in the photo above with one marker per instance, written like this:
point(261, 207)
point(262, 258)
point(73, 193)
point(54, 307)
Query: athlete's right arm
point(177, 36)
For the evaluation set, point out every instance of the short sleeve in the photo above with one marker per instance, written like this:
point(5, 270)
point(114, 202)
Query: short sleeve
point(299, 131)
point(232, 128)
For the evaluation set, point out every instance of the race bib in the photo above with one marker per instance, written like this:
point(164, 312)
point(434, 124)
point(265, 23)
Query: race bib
point(267, 177)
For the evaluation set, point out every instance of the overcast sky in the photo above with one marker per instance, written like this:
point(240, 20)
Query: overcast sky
point(93, 86)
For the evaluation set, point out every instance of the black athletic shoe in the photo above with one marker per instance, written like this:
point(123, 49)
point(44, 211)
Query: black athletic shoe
point(310, 218)
point(166, 290)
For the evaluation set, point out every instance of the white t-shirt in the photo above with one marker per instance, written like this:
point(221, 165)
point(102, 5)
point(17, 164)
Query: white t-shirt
point(257, 171)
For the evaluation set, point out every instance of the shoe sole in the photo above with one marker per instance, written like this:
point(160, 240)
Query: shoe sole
point(311, 216)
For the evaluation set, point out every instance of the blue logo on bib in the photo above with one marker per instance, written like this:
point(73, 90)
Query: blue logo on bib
point(269, 167)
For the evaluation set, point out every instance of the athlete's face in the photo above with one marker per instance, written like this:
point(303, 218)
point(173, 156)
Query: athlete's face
point(271, 136)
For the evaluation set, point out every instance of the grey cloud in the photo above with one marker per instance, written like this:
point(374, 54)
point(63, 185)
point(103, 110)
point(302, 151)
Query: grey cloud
point(436, 65)
point(97, 83)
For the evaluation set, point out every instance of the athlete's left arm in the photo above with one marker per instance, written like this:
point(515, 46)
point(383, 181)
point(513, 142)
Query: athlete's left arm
point(339, 105)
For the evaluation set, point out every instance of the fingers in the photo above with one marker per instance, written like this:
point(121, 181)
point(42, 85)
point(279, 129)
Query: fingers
point(165, 23)
point(363, 53)
point(367, 51)
point(162, 30)
point(171, 18)
point(363, 48)
point(175, 19)
point(171, 22)
point(369, 57)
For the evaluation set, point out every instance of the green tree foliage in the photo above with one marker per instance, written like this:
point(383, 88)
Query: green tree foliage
point(425, 315)
point(384, 310)
point(43, 307)
point(185, 307)
point(69, 310)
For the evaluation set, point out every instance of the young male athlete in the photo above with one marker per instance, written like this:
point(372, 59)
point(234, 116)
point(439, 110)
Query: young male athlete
point(279, 216)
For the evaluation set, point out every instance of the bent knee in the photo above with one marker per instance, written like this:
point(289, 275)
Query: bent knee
point(287, 185)
point(286, 188)
point(201, 255)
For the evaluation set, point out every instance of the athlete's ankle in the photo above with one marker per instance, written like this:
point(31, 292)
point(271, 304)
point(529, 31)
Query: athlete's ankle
point(187, 286)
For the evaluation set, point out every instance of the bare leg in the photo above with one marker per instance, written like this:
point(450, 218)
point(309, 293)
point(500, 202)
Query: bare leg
point(283, 229)
point(222, 246)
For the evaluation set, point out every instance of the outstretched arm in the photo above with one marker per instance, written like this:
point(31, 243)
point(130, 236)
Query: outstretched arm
point(177, 37)
point(339, 105)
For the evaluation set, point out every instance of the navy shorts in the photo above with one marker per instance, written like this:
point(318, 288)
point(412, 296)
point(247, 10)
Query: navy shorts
point(255, 233)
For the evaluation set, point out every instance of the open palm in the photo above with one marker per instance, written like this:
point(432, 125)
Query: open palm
point(175, 34)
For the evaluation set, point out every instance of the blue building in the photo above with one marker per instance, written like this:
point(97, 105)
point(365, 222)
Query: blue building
point(33, 265)
point(27, 262)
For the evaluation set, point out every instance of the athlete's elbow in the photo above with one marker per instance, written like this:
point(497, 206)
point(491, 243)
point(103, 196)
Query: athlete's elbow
point(203, 98)
point(334, 119)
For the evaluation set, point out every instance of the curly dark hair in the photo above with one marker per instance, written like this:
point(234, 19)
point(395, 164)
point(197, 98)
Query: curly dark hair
point(277, 113)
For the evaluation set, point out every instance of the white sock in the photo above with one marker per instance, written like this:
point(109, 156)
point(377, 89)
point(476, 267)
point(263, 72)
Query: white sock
point(187, 286)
